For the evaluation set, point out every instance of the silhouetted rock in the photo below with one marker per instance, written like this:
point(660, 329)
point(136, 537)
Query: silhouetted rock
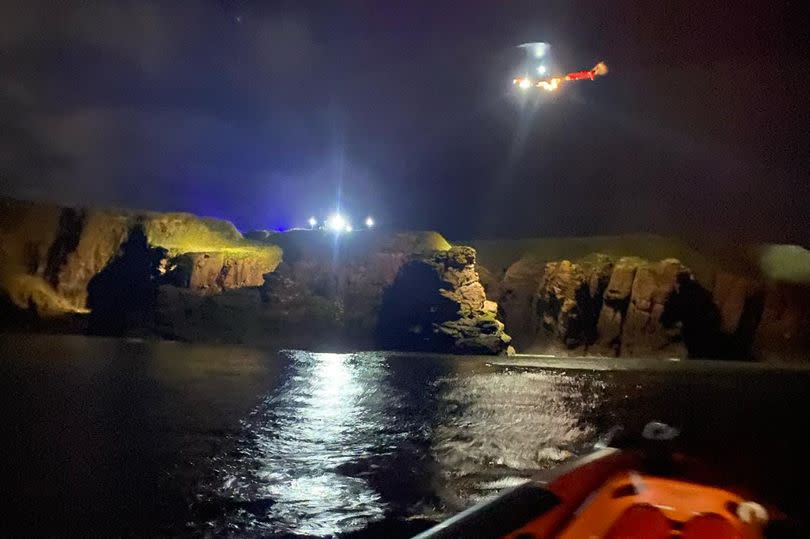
point(731, 293)
point(121, 297)
point(783, 332)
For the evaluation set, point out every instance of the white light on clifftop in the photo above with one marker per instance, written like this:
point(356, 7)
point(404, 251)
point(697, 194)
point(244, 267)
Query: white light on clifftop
point(336, 223)
point(369, 222)
point(312, 222)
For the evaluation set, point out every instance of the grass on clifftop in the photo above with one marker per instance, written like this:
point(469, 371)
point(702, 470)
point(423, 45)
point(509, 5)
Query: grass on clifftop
point(186, 233)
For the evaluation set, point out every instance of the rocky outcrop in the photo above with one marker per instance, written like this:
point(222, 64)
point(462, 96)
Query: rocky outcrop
point(644, 331)
point(222, 270)
point(569, 299)
point(337, 300)
point(180, 276)
point(394, 291)
point(490, 281)
point(49, 255)
point(333, 287)
point(628, 306)
point(599, 305)
point(438, 303)
point(783, 331)
point(615, 302)
point(99, 236)
point(515, 305)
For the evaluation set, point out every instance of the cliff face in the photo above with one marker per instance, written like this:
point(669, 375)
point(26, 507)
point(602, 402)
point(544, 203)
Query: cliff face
point(438, 303)
point(369, 290)
point(178, 276)
point(628, 306)
point(53, 257)
point(173, 275)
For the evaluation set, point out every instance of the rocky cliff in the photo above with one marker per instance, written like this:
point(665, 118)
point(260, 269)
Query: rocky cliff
point(56, 261)
point(628, 306)
point(406, 291)
point(438, 303)
point(178, 276)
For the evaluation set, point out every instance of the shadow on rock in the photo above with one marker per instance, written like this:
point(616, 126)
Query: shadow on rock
point(693, 306)
point(410, 308)
point(122, 296)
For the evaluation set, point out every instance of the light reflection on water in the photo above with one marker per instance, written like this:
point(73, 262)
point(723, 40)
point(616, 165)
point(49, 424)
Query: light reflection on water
point(322, 417)
point(145, 439)
point(500, 426)
point(316, 456)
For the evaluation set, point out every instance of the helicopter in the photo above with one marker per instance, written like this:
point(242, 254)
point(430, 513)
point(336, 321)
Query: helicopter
point(537, 62)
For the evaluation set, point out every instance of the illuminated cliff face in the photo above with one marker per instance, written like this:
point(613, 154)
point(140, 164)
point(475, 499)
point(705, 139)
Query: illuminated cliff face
point(50, 253)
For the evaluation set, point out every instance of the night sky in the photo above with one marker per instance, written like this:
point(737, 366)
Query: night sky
point(267, 112)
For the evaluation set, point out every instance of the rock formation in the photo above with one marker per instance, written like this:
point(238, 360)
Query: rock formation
point(598, 305)
point(615, 302)
point(438, 303)
point(334, 286)
point(49, 255)
point(783, 331)
point(569, 299)
point(644, 331)
point(515, 304)
point(367, 290)
point(179, 276)
point(627, 306)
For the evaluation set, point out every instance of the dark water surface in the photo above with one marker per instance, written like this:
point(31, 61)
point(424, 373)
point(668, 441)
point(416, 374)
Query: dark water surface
point(131, 438)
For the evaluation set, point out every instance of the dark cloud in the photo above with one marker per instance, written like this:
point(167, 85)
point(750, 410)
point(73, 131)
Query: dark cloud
point(267, 112)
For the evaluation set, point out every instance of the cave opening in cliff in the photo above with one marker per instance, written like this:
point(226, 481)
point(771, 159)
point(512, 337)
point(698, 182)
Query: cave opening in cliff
point(122, 296)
